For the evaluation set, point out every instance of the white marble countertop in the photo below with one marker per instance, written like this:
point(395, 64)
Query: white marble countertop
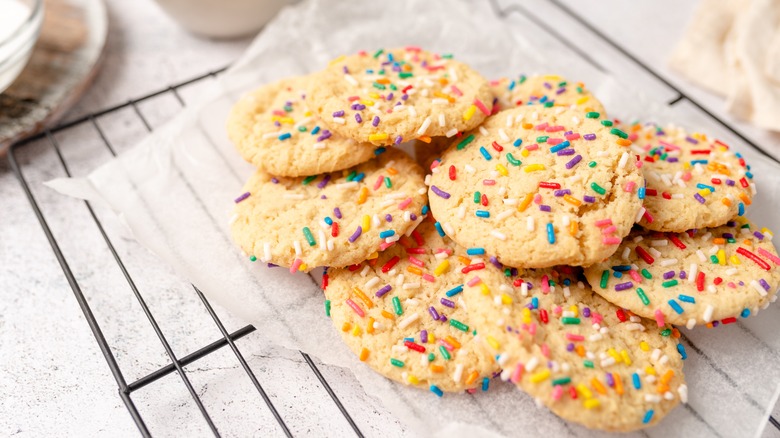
point(53, 378)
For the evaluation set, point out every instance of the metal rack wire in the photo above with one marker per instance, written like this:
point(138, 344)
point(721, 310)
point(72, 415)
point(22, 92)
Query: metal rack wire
point(177, 364)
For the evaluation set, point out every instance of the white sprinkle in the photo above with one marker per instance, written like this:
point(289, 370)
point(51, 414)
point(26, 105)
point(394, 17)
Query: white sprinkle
point(654, 252)
point(531, 364)
point(293, 196)
point(505, 214)
point(662, 242)
point(530, 223)
point(453, 75)
point(469, 169)
point(331, 244)
point(424, 127)
point(639, 215)
point(266, 252)
point(524, 289)
point(566, 292)
point(655, 355)
point(608, 362)
point(375, 221)
point(510, 201)
point(451, 132)
point(447, 229)
point(323, 243)
point(682, 390)
point(339, 120)
point(407, 286)
point(456, 376)
point(692, 272)
point(626, 252)
point(509, 121)
point(346, 185)
point(297, 247)
point(461, 212)
point(352, 81)
point(319, 145)
point(758, 288)
point(364, 271)
point(483, 131)
point(498, 235)
point(623, 160)
point(371, 283)
point(565, 220)
point(702, 257)
point(271, 135)
point(442, 121)
point(633, 327)
point(503, 135)
point(668, 262)
point(439, 101)
point(408, 320)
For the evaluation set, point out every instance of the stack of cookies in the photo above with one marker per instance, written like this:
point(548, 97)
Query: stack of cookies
point(545, 244)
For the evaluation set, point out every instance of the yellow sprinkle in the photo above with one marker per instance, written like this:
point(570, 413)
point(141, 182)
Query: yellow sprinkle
point(492, 342)
point(374, 95)
point(591, 403)
point(307, 114)
point(443, 267)
point(526, 315)
point(449, 98)
point(554, 78)
point(582, 100)
point(373, 256)
point(363, 297)
point(721, 257)
point(357, 331)
point(414, 270)
point(413, 380)
point(644, 346)
point(584, 391)
point(541, 376)
point(533, 168)
point(484, 289)
point(382, 136)
point(387, 314)
point(687, 165)
point(452, 341)
point(598, 386)
point(506, 299)
point(345, 327)
point(525, 203)
point(650, 370)
point(337, 60)
point(735, 260)
point(704, 192)
point(362, 195)
point(501, 169)
point(575, 310)
point(625, 356)
point(364, 354)
point(469, 112)
point(572, 200)
point(525, 152)
point(370, 325)
point(367, 102)
point(431, 338)
point(303, 267)
point(612, 352)
point(366, 223)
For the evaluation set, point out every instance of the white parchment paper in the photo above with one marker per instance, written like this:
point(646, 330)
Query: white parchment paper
point(175, 192)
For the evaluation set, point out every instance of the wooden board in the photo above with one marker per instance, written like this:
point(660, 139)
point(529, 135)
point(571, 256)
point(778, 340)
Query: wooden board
point(63, 63)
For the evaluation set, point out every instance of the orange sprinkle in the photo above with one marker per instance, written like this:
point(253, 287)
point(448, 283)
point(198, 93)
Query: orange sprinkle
point(580, 350)
point(598, 386)
point(719, 241)
point(573, 228)
point(424, 138)
point(528, 125)
point(465, 260)
point(726, 202)
point(345, 327)
point(443, 81)
point(667, 377)
point(392, 171)
point(362, 195)
point(364, 354)
point(370, 325)
point(618, 383)
point(623, 142)
point(437, 368)
point(472, 377)
point(745, 199)
point(449, 98)
point(414, 270)
point(383, 81)
point(572, 200)
point(363, 297)
point(526, 202)
point(387, 314)
point(662, 388)
point(452, 341)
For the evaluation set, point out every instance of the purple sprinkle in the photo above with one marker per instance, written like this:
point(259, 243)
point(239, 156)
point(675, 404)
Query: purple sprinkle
point(389, 217)
point(324, 136)
point(586, 312)
point(358, 118)
point(274, 180)
point(242, 197)
point(496, 263)
point(515, 272)
point(271, 265)
point(715, 323)
point(589, 137)
point(413, 216)
point(668, 275)
point(375, 122)
point(731, 224)
point(356, 234)
point(728, 236)
point(692, 140)
point(530, 285)
point(566, 151)
point(345, 70)
point(561, 90)
point(562, 192)
point(672, 159)
point(404, 96)
point(610, 380)
point(398, 140)
point(699, 198)
point(573, 162)
point(588, 198)
point(730, 182)
point(424, 336)
point(339, 113)
point(570, 346)
point(758, 235)
point(545, 208)
point(389, 97)
point(277, 124)
point(568, 133)
point(337, 212)
point(624, 286)
point(323, 197)
point(764, 284)
point(324, 182)
point(448, 303)
point(443, 318)
point(683, 275)
point(440, 192)
point(434, 314)
point(385, 289)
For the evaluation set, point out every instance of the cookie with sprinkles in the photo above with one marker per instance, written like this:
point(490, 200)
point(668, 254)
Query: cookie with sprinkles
point(273, 128)
point(585, 359)
point(403, 315)
point(545, 90)
point(693, 181)
point(333, 219)
point(708, 276)
point(539, 187)
point(397, 95)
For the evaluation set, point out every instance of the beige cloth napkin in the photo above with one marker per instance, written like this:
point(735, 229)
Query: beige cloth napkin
point(732, 48)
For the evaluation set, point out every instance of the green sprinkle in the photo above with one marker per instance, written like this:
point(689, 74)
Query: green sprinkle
point(381, 72)
point(444, 353)
point(580, 90)
point(287, 108)
point(647, 274)
point(561, 381)
point(512, 160)
point(669, 283)
point(379, 86)
point(431, 357)
point(465, 142)
point(459, 325)
point(405, 74)
point(592, 115)
point(597, 188)
point(588, 363)
point(378, 53)
point(666, 332)
point(351, 176)
point(549, 104)
point(618, 132)
point(542, 139)
point(397, 306)
point(592, 164)
point(327, 308)
point(714, 259)
point(568, 320)
point(447, 56)
point(507, 272)
point(252, 258)
point(388, 183)
point(730, 240)
point(522, 79)
point(309, 179)
point(606, 122)
point(397, 363)
point(604, 279)
point(663, 156)
point(308, 236)
point(477, 197)
point(302, 128)
point(642, 296)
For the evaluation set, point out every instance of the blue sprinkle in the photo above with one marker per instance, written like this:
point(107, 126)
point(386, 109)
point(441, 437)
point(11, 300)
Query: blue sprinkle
point(559, 146)
point(455, 290)
point(483, 213)
point(379, 151)
point(648, 416)
point(641, 193)
point(435, 389)
point(621, 268)
point(617, 274)
point(517, 142)
point(535, 302)
point(637, 381)
point(359, 177)
point(425, 209)
point(550, 233)
point(512, 85)
point(745, 313)
point(439, 229)
point(285, 136)
point(409, 339)
point(749, 175)
point(387, 233)
point(315, 130)
point(705, 186)
point(681, 350)
point(485, 384)
point(741, 209)
point(485, 153)
point(694, 162)
point(475, 251)
point(328, 220)
point(676, 307)
point(686, 298)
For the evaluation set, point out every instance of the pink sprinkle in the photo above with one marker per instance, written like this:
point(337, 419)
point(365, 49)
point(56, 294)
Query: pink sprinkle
point(472, 390)
point(557, 310)
point(532, 147)
point(474, 281)
point(537, 198)
point(635, 275)
point(554, 141)
point(379, 181)
point(575, 338)
point(639, 164)
point(489, 182)
point(384, 245)
point(429, 278)
point(435, 164)
point(296, 264)
point(456, 91)
point(353, 98)
point(415, 261)
point(611, 241)
point(557, 392)
point(443, 250)
point(596, 317)
point(542, 126)
point(633, 136)
point(405, 203)
point(629, 187)
point(603, 222)
point(532, 329)
point(668, 145)
point(555, 128)
point(545, 284)
point(686, 176)
point(609, 230)
point(546, 350)
point(446, 344)
point(648, 217)
point(356, 308)
point(659, 318)
point(573, 136)
point(517, 373)
point(769, 255)
point(482, 107)
point(732, 285)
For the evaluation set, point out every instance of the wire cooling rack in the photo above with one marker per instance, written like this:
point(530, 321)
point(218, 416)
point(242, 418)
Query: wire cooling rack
point(177, 364)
